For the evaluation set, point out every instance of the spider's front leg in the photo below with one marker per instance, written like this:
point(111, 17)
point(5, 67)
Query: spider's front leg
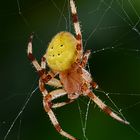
point(32, 58)
point(40, 69)
point(79, 46)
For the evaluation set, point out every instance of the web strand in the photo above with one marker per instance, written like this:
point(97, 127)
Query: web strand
point(19, 114)
point(83, 123)
point(98, 24)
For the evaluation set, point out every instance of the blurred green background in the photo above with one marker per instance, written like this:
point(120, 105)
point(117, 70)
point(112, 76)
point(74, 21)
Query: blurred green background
point(105, 24)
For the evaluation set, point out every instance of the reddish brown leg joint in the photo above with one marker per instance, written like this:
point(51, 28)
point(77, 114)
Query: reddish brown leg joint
point(94, 85)
point(58, 127)
point(78, 47)
point(45, 78)
point(31, 57)
point(74, 18)
point(107, 110)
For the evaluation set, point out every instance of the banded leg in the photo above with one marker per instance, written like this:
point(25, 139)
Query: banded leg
point(57, 105)
point(87, 77)
point(47, 98)
point(43, 63)
point(32, 58)
point(85, 58)
point(102, 105)
point(86, 74)
point(77, 29)
point(47, 106)
point(42, 88)
point(57, 94)
point(52, 82)
point(45, 77)
point(55, 83)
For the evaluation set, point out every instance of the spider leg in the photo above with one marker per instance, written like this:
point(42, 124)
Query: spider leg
point(32, 58)
point(57, 94)
point(77, 29)
point(40, 69)
point(52, 82)
point(87, 77)
point(46, 103)
point(47, 98)
point(54, 94)
point(102, 105)
point(57, 105)
point(43, 63)
point(42, 88)
point(85, 58)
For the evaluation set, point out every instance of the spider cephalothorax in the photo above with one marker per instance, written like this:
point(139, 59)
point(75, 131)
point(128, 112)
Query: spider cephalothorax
point(65, 58)
point(72, 79)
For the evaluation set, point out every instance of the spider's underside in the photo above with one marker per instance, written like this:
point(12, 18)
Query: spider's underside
point(65, 58)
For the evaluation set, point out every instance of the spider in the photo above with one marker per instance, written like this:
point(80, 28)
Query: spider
point(66, 60)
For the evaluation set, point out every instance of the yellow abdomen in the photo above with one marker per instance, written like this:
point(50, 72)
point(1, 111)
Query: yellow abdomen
point(61, 52)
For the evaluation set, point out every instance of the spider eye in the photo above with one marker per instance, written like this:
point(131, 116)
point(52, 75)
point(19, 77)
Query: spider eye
point(61, 45)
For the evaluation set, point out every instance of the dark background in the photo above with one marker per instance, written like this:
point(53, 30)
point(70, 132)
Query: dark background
point(115, 70)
